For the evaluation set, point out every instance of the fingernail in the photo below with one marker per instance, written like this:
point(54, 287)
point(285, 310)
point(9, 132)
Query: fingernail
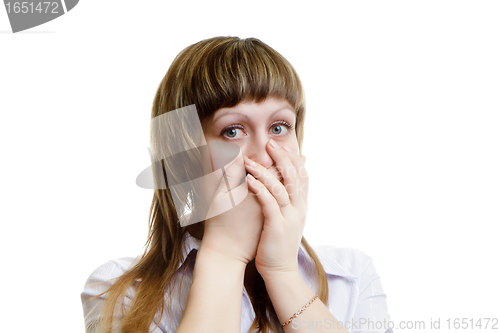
point(287, 149)
point(250, 177)
point(273, 144)
point(249, 161)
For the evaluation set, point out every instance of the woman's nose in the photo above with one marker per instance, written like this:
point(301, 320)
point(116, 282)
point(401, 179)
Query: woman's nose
point(256, 150)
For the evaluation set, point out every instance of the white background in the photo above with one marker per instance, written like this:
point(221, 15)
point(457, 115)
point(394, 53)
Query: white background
point(402, 142)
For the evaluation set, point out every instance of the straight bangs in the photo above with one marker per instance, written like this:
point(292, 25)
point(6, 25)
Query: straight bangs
point(229, 70)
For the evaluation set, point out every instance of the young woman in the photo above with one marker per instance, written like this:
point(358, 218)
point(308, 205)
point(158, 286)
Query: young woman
point(248, 269)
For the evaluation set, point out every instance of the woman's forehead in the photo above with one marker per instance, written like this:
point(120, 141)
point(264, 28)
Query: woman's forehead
point(267, 107)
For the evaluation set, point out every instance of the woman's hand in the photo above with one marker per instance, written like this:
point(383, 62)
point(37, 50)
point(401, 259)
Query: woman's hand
point(284, 206)
point(236, 232)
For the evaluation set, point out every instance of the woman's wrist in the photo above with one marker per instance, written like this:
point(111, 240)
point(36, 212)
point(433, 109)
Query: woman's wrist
point(288, 293)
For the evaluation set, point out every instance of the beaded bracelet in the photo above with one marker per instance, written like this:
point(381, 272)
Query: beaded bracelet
point(296, 314)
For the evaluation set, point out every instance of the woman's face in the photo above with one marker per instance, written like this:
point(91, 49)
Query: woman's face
point(251, 125)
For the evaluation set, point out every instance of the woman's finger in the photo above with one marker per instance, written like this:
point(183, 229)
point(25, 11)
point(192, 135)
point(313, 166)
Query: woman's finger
point(299, 163)
point(268, 203)
point(287, 169)
point(273, 185)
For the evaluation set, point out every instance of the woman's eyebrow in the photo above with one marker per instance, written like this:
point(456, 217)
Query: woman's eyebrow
point(247, 116)
point(230, 114)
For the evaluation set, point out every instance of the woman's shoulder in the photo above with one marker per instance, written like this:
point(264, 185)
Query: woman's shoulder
point(108, 271)
point(343, 261)
point(113, 267)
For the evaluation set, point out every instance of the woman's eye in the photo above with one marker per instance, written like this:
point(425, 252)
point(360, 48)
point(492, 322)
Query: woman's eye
point(277, 129)
point(281, 128)
point(232, 133)
point(236, 131)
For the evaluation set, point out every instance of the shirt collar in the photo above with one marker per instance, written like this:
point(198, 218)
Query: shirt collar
point(190, 243)
point(326, 258)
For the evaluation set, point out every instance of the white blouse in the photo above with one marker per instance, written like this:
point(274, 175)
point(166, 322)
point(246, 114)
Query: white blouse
point(356, 297)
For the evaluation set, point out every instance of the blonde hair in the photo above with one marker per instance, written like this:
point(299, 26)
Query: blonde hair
point(212, 74)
